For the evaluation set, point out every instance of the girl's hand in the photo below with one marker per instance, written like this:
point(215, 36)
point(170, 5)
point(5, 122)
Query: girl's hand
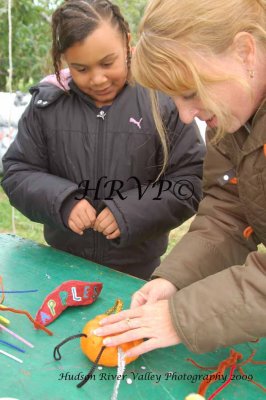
point(82, 216)
point(106, 224)
point(151, 321)
point(157, 289)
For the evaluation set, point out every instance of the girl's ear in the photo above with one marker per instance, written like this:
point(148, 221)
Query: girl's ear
point(244, 46)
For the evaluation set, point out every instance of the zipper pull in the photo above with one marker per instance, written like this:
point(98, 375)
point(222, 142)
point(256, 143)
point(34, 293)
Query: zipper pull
point(101, 114)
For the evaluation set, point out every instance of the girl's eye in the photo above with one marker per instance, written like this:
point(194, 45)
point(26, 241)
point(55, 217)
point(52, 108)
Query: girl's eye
point(81, 69)
point(106, 65)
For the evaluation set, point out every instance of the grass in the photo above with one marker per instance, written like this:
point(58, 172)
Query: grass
point(31, 230)
point(23, 226)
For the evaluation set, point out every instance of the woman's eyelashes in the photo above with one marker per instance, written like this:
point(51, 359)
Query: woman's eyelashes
point(189, 96)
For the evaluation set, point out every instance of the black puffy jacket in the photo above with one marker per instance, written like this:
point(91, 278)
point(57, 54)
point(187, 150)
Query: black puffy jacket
point(64, 139)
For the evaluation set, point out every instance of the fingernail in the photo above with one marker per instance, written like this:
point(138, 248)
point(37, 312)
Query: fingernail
point(97, 332)
point(107, 341)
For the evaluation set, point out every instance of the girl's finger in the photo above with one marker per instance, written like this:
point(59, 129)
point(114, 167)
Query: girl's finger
point(110, 229)
point(114, 235)
point(74, 227)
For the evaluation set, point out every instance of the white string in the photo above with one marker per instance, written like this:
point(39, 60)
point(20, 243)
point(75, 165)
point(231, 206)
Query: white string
point(10, 81)
point(120, 372)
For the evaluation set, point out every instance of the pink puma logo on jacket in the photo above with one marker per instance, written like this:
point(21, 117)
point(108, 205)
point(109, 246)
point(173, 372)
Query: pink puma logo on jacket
point(133, 121)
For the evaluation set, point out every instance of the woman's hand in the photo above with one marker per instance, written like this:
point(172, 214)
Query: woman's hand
point(150, 321)
point(157, 289)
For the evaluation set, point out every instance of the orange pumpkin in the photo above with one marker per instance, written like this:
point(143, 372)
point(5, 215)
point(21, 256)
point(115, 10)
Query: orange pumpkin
point(92, 344)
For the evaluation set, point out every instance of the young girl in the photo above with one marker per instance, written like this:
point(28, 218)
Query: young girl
point(211, 290)
point(87, 154)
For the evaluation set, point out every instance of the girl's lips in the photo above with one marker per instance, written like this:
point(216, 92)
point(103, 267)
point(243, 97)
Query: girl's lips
point(101, 92)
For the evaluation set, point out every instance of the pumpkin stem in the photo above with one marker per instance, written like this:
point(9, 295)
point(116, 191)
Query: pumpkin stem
point(57, 355)
point(91, 371)
point(118, 306)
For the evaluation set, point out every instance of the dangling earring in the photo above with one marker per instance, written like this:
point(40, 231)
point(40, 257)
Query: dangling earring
point(251, 73)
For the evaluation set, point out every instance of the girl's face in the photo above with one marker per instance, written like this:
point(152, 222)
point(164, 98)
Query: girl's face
point(240, 102)
point(98, 64)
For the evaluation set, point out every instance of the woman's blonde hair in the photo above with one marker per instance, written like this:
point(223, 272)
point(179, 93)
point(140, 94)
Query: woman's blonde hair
point(173, 32)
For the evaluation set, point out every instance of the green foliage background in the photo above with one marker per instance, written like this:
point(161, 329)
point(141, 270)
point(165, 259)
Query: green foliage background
point(31, 38)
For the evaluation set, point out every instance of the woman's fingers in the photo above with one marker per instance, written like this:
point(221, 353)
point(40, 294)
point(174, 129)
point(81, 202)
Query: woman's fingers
point(138, 299)
point(144, 347)
point(129, 336)
point(121, 316)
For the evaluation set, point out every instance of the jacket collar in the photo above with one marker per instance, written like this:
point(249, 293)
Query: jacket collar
point(81, 94)
point(257, 136)
point(260, 112)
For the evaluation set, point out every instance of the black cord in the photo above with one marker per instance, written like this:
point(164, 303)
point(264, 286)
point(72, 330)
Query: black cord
point(91, 371)
point(57, 355)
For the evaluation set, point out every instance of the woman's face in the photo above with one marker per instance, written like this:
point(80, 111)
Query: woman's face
point(240, 102)
point(98, 64)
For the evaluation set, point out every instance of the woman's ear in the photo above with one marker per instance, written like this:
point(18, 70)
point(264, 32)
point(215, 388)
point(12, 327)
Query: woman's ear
point(244, 46)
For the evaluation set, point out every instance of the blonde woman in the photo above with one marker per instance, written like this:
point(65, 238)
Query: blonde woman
point(210, 57)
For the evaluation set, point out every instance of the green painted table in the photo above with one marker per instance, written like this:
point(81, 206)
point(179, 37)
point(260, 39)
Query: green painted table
point(161, 374)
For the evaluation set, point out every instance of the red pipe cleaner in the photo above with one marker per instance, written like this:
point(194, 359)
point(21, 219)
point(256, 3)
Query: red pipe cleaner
point(225, 383)
point(225, 364)
point(36, 324)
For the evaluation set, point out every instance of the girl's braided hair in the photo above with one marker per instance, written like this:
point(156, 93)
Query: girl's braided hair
point(74, 20)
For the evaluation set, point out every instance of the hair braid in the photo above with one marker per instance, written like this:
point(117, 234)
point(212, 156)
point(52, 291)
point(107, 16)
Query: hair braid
point(124, 27)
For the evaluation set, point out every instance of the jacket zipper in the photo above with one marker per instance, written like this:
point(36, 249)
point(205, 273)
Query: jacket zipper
point(99, 157)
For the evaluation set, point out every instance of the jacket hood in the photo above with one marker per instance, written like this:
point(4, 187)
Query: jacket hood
point(65, 78)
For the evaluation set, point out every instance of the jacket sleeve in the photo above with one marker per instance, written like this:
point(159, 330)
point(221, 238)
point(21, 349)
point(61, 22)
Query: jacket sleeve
point(143, 218)
point(215, 240)
point(223, 309)
point(27, 181)
point(221, 279)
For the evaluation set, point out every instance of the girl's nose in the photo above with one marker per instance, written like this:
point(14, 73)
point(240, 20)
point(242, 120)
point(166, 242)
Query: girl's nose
point(97, 79)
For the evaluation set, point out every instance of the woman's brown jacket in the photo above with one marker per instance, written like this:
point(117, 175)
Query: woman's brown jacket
point(220, 275)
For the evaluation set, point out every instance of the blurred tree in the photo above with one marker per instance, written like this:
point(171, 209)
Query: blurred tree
point(31, 38)
point(133, 11)
point(30, 41)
